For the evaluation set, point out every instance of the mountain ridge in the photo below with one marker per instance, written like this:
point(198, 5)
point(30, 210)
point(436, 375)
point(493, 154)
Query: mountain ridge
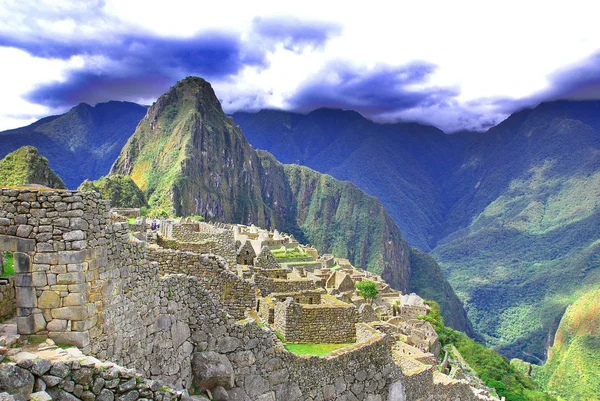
point(474, 200)
point(89, 137)
point(191, 159)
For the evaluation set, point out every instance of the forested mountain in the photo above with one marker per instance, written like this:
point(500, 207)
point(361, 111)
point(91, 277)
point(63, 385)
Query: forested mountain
point(189, 158)
point(511, 214)
point(82, 143)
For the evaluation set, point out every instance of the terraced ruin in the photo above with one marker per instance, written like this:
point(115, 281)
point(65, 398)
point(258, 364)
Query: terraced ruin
point(199, 310)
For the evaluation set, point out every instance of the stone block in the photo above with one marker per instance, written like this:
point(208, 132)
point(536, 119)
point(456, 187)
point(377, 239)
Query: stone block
point(24, 231)
point(210, 369)
point(22, 262)
point(78, 223)
point(23, 280)
point(48, 299)
point(76, 338)
point(26, 297)
point(38, 279)
point(40, 396)
point(77, 267)
point(16, 381)
point(58, 269)
point(83, 287)
point(75, 299)
point(46, 258)
point(57, 325)
point(25, 324)
point(70, 278)
point(70, 313)
point(66, 257)
point(31, 324)
point(76, 235)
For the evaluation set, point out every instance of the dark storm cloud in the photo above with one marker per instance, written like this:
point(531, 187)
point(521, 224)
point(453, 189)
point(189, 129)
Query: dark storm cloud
point(138, 66)
point(579, 82)
point(381, 90)
point(293, 33)
point(576, 82)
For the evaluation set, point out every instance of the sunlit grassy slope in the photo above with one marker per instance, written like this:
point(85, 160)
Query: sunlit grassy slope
point(573, 368)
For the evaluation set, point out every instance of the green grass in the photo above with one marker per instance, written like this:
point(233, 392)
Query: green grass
point(9, 264)
point(572, 371)
point(313, 349)
point(303, 263)
point(310, 349)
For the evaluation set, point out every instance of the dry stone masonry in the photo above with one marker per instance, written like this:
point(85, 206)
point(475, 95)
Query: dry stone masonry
point(185, 318)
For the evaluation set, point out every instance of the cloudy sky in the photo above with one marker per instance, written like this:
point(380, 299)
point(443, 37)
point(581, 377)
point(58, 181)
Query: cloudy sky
point(454, 64)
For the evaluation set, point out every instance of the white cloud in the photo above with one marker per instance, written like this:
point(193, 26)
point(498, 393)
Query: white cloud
point(501, 49)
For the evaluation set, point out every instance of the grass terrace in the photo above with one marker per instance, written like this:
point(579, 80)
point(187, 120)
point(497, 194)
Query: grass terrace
point(311, 349)
point(283, 252)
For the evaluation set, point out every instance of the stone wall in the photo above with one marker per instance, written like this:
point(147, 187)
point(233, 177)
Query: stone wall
point(72, 380)
point(81, 278)
point(301, 323)
point(54, 236)
point(270, 285)
point(219, 241)
point(236, 294)
point(7, 298)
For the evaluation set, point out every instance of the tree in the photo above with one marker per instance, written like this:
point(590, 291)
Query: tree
point(367, 289)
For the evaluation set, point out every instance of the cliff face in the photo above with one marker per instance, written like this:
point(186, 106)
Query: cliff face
point(189, 158)
point(26, 166)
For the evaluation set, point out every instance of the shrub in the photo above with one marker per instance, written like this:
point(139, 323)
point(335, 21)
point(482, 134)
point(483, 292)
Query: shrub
point(367, 289)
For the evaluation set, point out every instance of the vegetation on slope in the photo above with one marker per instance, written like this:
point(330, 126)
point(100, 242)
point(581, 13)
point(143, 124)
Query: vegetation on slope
point(572, 371)
point(428, 280)
point(26, 166)
point(492, 368)
point(120, 189)
point(534, 237)
point(80, 144)
point(511, 214)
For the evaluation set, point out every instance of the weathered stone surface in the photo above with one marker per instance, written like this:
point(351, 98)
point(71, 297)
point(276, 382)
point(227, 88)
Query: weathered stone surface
point(49, 299)
point(105, 395)
point(74, 235)
point(16, 381)
point(220, 394)
point(40, 367)
point(57, 325)
point(78, 339)
point(59, 369)
point(70, 313)
point(210, 370)
point(40, 396)
point(129, 396)
point(396, 392)
point(255, 385)
point(51, 380)
point(127, 386)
